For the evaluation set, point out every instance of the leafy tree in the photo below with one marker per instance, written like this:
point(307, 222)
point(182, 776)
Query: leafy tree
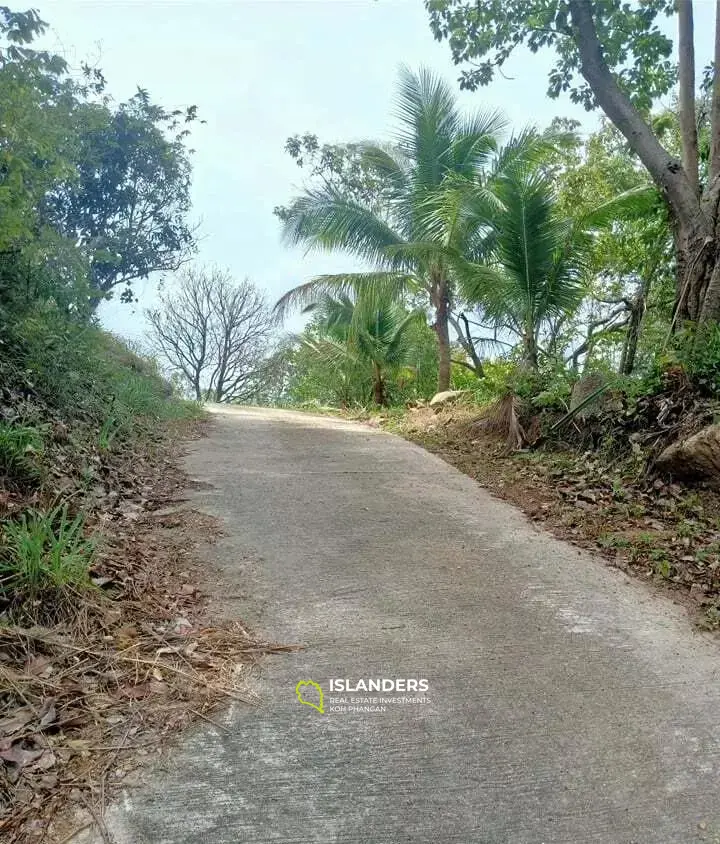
point(404, 241)
point(215, 332)
point(629, 263)
point(98, 193)
point(342, 167)
point(128, 199)
point(19, 29)
point(624, 61)
point(35, 145)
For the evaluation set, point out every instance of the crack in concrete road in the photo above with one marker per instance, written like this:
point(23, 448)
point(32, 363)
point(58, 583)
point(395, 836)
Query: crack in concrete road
point(566, 704)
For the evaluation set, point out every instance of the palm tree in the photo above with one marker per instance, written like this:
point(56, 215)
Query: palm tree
point(535, 261)
point(363, 332)
point(407, 246)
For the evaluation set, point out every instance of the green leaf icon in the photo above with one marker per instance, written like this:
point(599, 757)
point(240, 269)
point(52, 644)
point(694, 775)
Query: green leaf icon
point(299, 692)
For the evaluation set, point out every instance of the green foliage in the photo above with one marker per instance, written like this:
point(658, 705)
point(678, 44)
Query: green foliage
point(131, 167)
point(485, 35)
point(20, 452)
point(92, 194)
point(328, 367)
point(74, 372)
point(365, 336)
point(699, 358)
point(411, 237)
point(18, 29)
point(44, 553)
point(535, 261)
point(344, 167)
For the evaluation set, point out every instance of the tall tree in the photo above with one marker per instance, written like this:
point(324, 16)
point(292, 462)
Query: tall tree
point(128, 200)
point(214, 332)
point(400, 239)
point(624, 60)
point(630, 263)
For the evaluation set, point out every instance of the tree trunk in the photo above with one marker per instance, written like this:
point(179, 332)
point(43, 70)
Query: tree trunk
point(637, 312)
point(696, 255)
point(715, 107)
point(442, 329)
point(466, 341)
point(697, 298)
point(379, 396)
point(686, 97)
point(530, 355)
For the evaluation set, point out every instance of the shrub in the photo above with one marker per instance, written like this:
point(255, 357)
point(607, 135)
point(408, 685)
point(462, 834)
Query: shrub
point(44, 554)
point(701, 358)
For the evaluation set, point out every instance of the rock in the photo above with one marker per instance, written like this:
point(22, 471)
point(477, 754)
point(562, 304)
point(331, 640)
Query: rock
point(582, 389)
point(694, 458)
point(445, 398)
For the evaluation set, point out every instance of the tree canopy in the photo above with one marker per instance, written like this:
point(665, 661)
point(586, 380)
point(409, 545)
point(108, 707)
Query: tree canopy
point(95, 189)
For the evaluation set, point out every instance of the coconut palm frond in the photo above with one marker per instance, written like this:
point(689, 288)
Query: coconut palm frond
point(523, 150)
point(326, 219)
point(426, 109)
point(388, 164)
point(535, 262)
point(629, 205)
point(378, 285)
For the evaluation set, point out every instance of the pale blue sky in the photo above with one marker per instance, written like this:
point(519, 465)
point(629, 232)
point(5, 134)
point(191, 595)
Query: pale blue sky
point(260, 70)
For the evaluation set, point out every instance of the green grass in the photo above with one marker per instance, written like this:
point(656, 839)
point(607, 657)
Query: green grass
point(20, 452)
point(44, 552)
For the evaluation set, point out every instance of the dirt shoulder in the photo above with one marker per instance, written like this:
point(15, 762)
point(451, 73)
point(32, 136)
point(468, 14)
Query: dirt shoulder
point(86, 701)
point(662, 532)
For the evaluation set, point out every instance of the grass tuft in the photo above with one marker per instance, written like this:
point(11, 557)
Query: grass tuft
point(43, 556)
point(20, 451)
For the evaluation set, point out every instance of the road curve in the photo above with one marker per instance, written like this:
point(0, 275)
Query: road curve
point(565, 704)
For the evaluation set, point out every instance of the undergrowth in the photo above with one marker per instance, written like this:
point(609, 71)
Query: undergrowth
point(73, 399)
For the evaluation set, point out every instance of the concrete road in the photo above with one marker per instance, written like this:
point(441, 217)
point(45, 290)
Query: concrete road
point(564, 703)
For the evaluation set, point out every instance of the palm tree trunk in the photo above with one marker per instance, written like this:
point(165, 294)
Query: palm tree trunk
point(442, 308)
point(531, 352)
point(379, 396)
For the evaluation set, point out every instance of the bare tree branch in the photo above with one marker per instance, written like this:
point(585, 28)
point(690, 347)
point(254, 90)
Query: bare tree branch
point(215, 332)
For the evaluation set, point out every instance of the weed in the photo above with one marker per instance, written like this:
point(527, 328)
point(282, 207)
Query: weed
point(613, 540)
point(645, 540)
point(661, 564)
point(711, 618)
point(108, 432)
point(619, 490)
point(690, 504)
point(689, 529)
point(20, 452)
point(44, 553)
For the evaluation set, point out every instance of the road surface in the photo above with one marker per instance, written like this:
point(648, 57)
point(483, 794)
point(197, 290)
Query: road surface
point(565, 704)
